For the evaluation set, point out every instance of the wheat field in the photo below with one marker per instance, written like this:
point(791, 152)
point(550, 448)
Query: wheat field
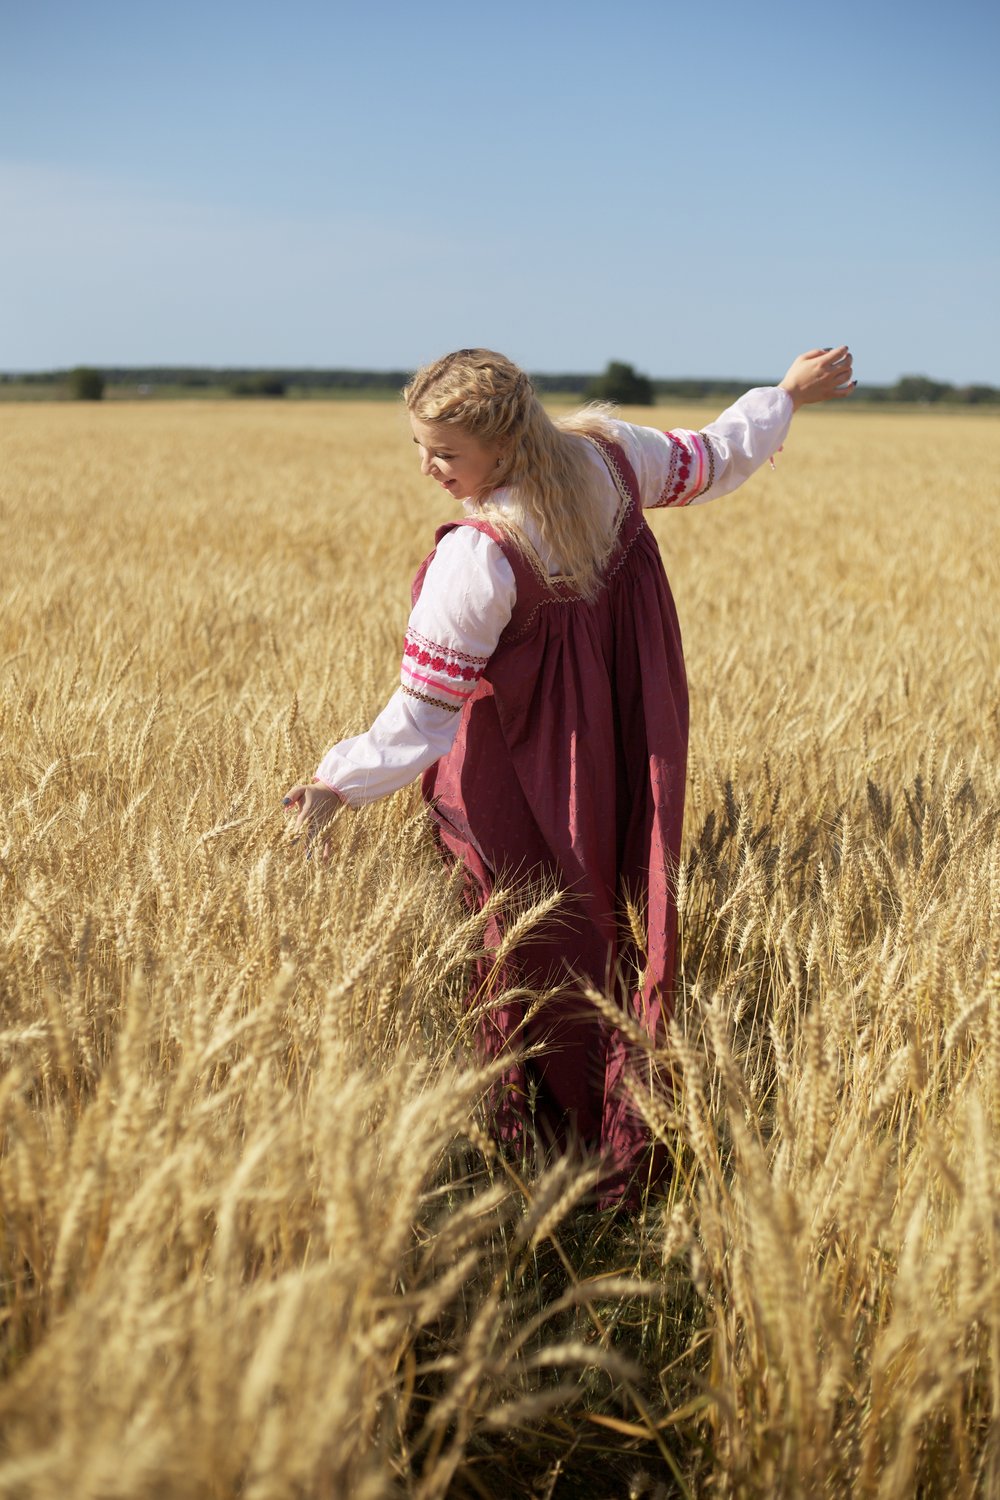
point(255, 1241)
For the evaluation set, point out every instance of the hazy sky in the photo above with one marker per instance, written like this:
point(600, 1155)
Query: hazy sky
point(697, 188)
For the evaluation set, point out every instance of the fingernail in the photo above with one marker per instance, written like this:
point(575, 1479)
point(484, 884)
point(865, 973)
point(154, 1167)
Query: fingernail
point(286, 801)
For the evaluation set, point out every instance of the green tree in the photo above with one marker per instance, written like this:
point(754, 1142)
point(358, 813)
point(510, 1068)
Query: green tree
point(978, 395)
point(86, 383)
point(621, 383)
point(260, 384)
point(919, 388)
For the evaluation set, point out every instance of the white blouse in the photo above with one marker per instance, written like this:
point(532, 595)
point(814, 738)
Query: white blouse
point(469, 591)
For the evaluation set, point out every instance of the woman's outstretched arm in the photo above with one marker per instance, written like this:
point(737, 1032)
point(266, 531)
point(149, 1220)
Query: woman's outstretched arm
point(681, 467)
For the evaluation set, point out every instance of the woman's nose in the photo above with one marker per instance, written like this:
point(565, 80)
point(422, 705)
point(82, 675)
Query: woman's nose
point(426, 464)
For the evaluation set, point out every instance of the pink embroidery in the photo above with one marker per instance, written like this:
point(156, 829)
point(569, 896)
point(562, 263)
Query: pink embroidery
point(452, 667)
point(433, 682)
point(415, 643)
point(678, 472)
point(710, 455)
point(691, 451)
point(699, 453)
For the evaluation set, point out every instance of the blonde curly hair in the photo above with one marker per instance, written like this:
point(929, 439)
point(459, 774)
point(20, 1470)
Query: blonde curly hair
point(555, 486)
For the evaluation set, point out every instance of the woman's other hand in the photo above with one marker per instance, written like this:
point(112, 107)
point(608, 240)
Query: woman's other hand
point(313, 807)
point(820, 375)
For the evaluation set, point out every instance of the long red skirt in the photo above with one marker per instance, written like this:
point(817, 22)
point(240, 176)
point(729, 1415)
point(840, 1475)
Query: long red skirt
point(569, 766)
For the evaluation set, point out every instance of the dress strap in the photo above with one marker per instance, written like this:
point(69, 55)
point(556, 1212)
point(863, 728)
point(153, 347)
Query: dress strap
point(529, 576)
point(621, 471)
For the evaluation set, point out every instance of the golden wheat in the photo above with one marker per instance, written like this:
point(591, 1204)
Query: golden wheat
point(255, 1240)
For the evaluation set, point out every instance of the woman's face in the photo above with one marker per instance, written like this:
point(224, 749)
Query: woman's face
point(460, 463)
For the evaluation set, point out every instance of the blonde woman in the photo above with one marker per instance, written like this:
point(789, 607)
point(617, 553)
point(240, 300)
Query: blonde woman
point(543, 699)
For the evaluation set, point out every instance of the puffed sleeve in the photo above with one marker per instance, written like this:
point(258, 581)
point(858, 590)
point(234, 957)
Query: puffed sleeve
point(685, 468)
point(467, 597)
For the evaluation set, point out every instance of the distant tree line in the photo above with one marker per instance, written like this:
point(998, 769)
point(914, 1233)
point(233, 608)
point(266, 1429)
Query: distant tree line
point(620, 382)
point(86, 383)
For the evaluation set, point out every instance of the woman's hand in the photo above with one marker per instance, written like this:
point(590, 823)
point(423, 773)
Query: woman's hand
point(314, 807)
point(820, 375)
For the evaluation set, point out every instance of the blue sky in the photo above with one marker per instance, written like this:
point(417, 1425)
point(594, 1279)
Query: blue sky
point(699, 189)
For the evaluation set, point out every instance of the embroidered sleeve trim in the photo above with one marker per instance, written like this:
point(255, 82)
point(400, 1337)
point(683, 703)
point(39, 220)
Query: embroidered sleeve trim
point(421, 643)
point(686, 469)
point(438, 674)
point(453, 708)
point(710, 455)
point(442, 687)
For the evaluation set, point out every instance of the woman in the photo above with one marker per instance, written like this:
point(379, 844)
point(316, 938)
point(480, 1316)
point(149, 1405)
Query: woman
point(543, 697)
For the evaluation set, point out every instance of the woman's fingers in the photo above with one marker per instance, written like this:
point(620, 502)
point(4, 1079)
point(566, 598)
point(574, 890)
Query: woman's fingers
point(835, 359)
point(840, 378)
point(308, 814)
point(819, 374)
point(296, 802)
point(827, 355)
point(313, 807)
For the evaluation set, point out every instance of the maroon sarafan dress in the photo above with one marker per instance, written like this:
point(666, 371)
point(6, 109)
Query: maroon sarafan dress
point(552, 735)
point(569, 765)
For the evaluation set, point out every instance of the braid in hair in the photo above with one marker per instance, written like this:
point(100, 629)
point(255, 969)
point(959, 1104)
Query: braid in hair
point(553, 481)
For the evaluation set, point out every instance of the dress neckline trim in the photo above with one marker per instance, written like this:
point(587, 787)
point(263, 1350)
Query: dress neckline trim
point(607, 449)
